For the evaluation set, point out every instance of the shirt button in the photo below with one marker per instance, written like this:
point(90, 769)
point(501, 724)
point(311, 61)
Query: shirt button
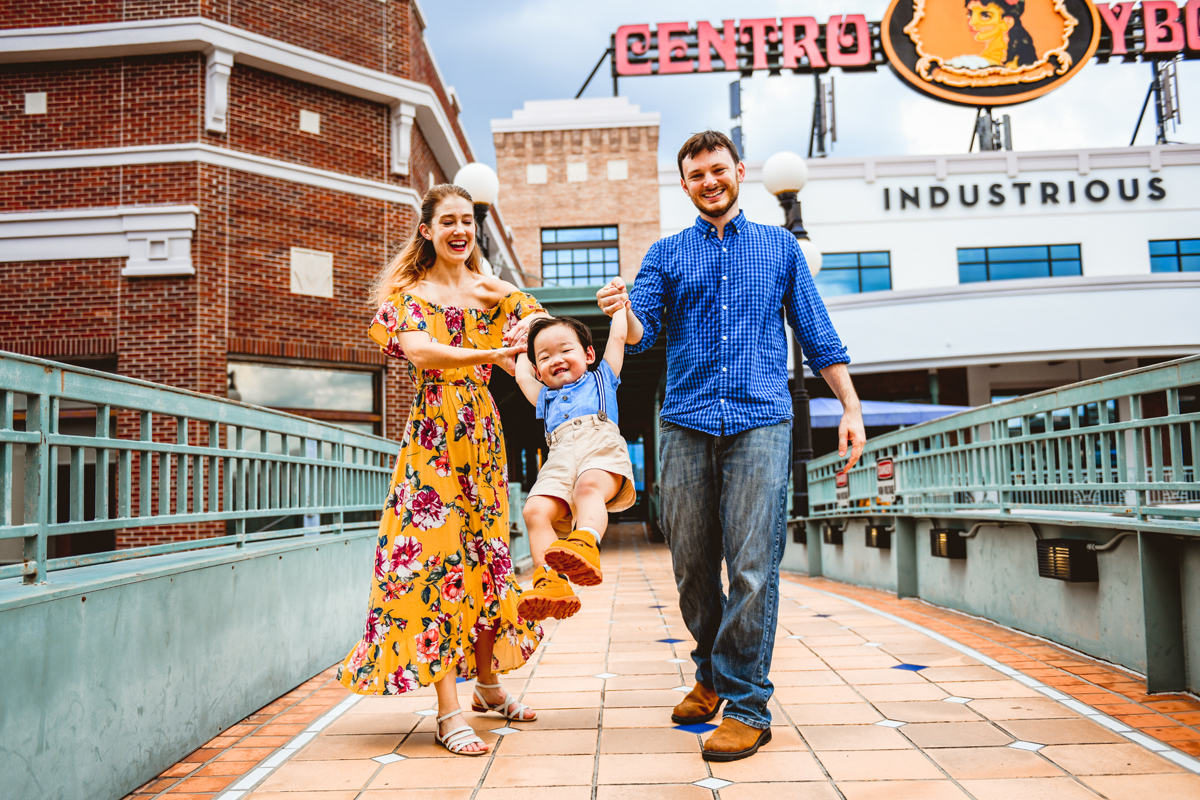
point(723, 250)
point(723, 338)
point(724, 308)
point(722, 277)
point(722, 400)
point(724, 369)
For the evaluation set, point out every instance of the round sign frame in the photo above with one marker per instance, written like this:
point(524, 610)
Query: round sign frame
point(1009, 85)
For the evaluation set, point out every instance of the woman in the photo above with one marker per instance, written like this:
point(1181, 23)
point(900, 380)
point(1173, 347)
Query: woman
point(997, 23)
point(444, 599)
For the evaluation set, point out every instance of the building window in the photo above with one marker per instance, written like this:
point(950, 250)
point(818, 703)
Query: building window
point(852, 273)
point(1010, 263)
point(1175, 255)
point(343, 397)
point(580, 256)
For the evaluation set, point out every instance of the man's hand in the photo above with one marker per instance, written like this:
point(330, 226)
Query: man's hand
point(852, 432)
point(613, 297)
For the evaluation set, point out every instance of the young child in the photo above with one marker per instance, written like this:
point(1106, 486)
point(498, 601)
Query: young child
point(587, 472)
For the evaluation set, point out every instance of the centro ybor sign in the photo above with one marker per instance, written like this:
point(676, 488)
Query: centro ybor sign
point(971, 52)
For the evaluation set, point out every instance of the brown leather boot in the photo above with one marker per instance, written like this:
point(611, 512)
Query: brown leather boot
point(734, 740)
point(700, 705)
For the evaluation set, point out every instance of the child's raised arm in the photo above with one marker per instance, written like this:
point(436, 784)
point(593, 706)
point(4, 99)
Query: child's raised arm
point(530, 386)
point(618, 332)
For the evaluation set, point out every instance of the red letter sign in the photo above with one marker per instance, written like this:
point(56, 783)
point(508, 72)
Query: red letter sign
point(758, 35)
point(1117, 19)
point(1169, 26)
point(726, 46)
point(805, 44)
point(668, 47)
point(637, 48)
point(1191, 19)
point(836, 38)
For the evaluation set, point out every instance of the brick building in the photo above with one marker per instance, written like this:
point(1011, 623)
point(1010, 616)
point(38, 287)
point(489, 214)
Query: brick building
point(580, 178)
point(199, 194)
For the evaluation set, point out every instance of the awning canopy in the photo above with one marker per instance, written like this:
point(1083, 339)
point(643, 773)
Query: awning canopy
point(827, 412)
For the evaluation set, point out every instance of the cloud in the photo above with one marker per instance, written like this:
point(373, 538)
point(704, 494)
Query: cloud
point(498, 55)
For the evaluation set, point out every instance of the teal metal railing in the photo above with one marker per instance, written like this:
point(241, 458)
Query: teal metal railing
point(1119, 447)
point(165, 456)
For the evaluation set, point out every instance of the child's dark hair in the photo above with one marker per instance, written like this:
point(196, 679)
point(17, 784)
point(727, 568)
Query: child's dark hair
point(542, 323)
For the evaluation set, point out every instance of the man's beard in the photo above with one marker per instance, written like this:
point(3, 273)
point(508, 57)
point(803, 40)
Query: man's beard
point(719, 212)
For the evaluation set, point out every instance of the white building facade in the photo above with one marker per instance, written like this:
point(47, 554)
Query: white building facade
point(1028, 270)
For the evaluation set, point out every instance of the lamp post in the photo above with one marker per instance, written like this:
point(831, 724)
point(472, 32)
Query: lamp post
point(483, 185)
point(784, 174)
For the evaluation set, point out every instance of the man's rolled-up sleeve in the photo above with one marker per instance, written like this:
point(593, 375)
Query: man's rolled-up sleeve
point(646, 299)
point(809, 320)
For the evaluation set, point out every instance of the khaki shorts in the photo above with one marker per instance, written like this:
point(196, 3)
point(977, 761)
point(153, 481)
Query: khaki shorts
point(581, 444)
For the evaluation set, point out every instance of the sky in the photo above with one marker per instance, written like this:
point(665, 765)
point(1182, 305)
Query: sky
point(497, 55)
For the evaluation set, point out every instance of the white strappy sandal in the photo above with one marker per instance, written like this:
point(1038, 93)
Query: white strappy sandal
point(481, 706)
point(458, 739)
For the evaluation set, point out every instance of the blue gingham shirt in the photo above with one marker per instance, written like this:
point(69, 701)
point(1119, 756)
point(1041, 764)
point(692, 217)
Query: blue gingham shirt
point(721, 303)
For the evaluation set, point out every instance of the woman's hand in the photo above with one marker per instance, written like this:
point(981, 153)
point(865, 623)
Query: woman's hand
point(518, 335)
point(506, 358)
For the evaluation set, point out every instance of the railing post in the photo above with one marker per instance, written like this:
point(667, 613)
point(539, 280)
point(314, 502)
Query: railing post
point(181, 466)
point(6, 460)
point(103, 415)
point(905, 548)
point(1162, 608)
point(1137, 455)
point(145, 477)
point(812, 531)
point(239, 488)
point(340, 517)
point(37, 488)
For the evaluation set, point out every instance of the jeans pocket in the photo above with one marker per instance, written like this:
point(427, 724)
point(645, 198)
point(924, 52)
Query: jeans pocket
point(663, 425)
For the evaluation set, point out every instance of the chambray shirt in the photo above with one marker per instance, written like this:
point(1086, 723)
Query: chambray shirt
point(578, 399)
point(721, 304)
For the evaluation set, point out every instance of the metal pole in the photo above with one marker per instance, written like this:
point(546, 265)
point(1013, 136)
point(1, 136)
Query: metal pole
point(596, 68)
point(1141, 116)
point(1160, 136)
point(802, 449)
point(481, 237)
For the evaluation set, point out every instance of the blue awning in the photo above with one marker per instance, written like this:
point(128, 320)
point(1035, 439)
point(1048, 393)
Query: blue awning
point(827, 412)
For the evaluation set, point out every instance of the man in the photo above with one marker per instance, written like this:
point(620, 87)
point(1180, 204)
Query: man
point(720, 291)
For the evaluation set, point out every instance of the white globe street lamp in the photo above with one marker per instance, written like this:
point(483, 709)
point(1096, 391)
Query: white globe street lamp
point(784, 174)
point(482, 183)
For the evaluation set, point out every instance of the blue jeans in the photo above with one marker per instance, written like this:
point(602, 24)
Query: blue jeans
point(726, 496)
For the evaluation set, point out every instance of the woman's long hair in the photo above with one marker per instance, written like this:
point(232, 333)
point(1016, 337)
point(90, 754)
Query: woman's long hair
point(417, 256)
point(1020, 43)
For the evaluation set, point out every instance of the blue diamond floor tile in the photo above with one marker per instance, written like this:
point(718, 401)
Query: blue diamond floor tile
point(699, 727)
point(910, 667)
point(670, 641)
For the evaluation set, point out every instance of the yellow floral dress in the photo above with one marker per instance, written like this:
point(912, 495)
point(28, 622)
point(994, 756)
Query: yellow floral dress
point(442, 566)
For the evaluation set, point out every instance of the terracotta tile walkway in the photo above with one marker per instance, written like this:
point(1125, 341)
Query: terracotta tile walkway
point(865, 707)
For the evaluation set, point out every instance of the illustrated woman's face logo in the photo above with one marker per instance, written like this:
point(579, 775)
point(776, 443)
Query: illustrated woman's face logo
point(989, 52)
point(987, 21)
